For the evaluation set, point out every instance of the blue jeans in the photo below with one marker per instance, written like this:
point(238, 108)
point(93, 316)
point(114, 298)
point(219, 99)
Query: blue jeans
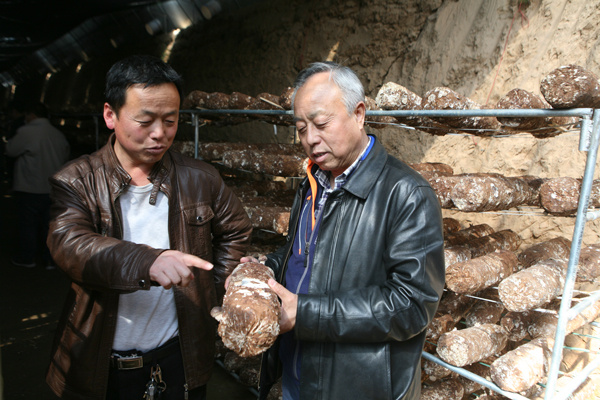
point(290, 387)
point(33, 212)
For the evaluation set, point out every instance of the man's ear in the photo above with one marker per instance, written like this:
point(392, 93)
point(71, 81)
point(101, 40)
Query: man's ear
point(360, 113)
point(109, 116)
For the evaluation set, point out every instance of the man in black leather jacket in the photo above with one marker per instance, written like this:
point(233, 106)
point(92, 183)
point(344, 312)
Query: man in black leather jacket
point(363, 268)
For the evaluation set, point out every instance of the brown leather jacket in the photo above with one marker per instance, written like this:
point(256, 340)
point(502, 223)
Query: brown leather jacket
point(205, 219)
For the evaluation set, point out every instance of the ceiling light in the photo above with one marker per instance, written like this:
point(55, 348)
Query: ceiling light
point(176, 14)
point(153, 27)
point(210, 9)
point(117, 41)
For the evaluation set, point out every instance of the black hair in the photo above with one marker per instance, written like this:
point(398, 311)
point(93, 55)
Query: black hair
point(37, 109)
point(138, 69)
point(18, 106)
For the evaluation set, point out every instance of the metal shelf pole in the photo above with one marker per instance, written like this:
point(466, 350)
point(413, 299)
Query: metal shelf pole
point(473, 377)
point(565, 304)
point(577, 380)
point(196, 133)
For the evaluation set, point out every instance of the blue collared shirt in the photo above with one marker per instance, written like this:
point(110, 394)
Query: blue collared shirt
point(323, 176)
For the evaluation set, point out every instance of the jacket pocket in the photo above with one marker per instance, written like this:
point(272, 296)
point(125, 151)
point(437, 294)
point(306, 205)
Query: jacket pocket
point(198, 225)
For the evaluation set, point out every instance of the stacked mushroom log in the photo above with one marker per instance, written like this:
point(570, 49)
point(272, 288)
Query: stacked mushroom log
point(267, 202)
point(198, 99)
point(569, 86)
point(500, 307)
point(498, 315)
point(477, 192)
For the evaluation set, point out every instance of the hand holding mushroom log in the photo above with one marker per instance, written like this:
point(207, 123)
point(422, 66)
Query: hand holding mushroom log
point(289, 305)
point(249, 318)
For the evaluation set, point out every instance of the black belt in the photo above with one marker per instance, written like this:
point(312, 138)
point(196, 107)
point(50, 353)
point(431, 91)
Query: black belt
point(134, 360)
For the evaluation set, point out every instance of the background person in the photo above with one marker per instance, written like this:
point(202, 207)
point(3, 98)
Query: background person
point(14, 119)
point(40, 150)
point(363, 268)
point(126, 218)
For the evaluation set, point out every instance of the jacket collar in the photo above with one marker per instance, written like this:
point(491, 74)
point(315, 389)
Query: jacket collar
point(119, 178)
point(363, 179)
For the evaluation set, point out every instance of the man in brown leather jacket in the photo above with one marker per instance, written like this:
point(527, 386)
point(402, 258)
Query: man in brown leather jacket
point(148, 237)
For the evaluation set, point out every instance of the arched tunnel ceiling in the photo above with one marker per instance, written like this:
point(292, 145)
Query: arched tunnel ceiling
point(40, 36)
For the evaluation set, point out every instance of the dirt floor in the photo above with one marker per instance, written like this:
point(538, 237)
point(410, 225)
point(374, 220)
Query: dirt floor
point(30, 304)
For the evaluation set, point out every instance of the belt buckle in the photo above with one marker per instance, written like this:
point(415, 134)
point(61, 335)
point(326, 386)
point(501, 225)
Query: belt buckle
point(124, 363)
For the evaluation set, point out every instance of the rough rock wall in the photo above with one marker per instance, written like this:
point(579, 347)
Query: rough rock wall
point(262, 48)
point(461, 47)
point(421, 45)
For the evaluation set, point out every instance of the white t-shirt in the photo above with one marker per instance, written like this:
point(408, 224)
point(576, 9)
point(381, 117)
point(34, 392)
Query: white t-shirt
point(146, 318)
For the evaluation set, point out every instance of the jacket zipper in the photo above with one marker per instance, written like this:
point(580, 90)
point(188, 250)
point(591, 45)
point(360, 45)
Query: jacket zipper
point(306, 255)
point(306, 262)
point(117, 211)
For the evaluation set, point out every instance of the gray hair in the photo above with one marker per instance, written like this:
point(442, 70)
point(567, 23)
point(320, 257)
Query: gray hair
point(345, 79)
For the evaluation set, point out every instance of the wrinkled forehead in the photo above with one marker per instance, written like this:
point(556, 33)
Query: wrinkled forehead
point(165, 90)
point(319, 90)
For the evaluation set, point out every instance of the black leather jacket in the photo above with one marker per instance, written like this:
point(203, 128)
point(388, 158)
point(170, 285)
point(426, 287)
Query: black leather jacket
point(377, 278)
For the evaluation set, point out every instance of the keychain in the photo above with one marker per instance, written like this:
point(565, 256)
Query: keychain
point(156, 386)
point(150, 389)
point(161, 385)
